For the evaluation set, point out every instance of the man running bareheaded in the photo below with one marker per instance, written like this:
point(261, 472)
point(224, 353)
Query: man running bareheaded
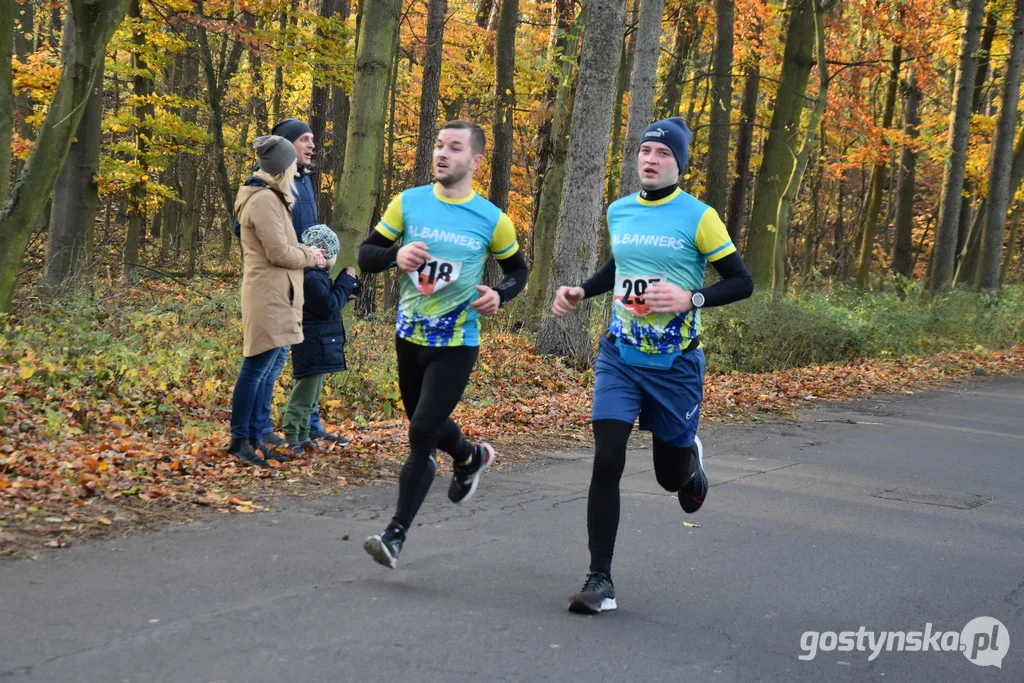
point(446, 232)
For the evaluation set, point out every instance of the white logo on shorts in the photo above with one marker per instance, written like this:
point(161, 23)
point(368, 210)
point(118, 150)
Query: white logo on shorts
point(690, 413)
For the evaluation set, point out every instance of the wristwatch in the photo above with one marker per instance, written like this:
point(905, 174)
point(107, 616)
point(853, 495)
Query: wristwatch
point(697, 299)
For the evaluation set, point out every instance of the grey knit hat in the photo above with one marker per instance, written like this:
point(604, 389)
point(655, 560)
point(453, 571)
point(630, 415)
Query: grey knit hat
point(322, 237)
point(275, 153)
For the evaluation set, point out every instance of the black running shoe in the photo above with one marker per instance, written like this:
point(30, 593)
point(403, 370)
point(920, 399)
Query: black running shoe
point(384, 548)
point(466, 477)
point(597, 595)
point(693, 492)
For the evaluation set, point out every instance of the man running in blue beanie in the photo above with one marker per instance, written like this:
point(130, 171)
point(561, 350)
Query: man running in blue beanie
point(651, 364)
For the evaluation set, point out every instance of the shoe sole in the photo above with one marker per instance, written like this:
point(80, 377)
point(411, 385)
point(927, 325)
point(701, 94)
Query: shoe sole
point(375, 546)
point(580, 605)
point(255, 463)
point(491, 454)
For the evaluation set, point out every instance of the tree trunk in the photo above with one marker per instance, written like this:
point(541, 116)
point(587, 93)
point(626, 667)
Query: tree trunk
point(943, 255)
point(744, 144)
point(580, 211)
point(687, 35)
point(721, 107)
point(318, 104)
point(279, 72)
point(356, 194)
point(621, 83)
point(142, 88)
point(215, 89)
point(545, 221)
point(873, 201)
point(977, 99)
point(6, 96)
point(436, 10)
point(1002, 159)
point(557, 53)
point(903, 248)
point(483, 12)
point(1011, 244)
point(781, 145)
point(332, 152)
point(800, 163)
point(26, 39)
point(504, 102)
point(94, 23)
point(75, 196)
point(641, 90)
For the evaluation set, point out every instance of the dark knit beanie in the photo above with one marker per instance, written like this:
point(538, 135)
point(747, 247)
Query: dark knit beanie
point(673, 133)
point(291, 129)
point(275, 153)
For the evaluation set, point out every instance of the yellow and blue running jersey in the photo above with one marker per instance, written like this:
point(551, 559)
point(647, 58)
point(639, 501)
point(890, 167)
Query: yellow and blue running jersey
point(434, 306)
point(671, 239)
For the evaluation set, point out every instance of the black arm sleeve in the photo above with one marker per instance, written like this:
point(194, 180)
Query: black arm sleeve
point(602, 281)
point(516, 274)
point(736, 282)
point(377, 253)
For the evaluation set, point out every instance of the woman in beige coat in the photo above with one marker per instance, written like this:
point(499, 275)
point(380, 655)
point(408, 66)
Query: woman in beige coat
point(272, 263)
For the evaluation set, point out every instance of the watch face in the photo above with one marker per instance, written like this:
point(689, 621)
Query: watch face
point(697, 299)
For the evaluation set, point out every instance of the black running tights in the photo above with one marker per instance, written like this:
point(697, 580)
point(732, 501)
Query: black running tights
point(671, 468)
point(431, 380)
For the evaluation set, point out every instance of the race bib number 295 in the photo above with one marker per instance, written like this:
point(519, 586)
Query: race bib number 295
point(630, 290)
point(435, 275)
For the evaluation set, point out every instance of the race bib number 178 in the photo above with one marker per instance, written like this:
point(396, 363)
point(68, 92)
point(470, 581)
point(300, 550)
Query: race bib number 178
point(630, 290)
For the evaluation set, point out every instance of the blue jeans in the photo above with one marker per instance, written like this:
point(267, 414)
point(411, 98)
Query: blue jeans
point(249, 391)
point(266, 397)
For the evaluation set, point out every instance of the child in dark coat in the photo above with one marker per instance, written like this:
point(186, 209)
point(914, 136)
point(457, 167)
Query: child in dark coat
point(322, 350)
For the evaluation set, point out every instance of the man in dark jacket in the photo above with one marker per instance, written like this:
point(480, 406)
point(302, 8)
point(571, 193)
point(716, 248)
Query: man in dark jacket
point(304, 215)
point(322, 350)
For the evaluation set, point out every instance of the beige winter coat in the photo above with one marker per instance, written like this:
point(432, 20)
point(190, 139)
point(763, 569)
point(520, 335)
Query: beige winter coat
point(272, 261)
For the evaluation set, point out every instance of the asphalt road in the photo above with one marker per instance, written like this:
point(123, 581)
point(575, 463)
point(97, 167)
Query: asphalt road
point(893, 514)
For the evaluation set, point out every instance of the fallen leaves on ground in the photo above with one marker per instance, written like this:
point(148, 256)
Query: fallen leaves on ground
point(119, 475)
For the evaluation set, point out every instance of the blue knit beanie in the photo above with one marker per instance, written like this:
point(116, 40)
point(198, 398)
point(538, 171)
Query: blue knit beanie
point(673, 133)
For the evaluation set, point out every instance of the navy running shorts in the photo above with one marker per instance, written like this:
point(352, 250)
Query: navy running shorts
point(666, 401)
